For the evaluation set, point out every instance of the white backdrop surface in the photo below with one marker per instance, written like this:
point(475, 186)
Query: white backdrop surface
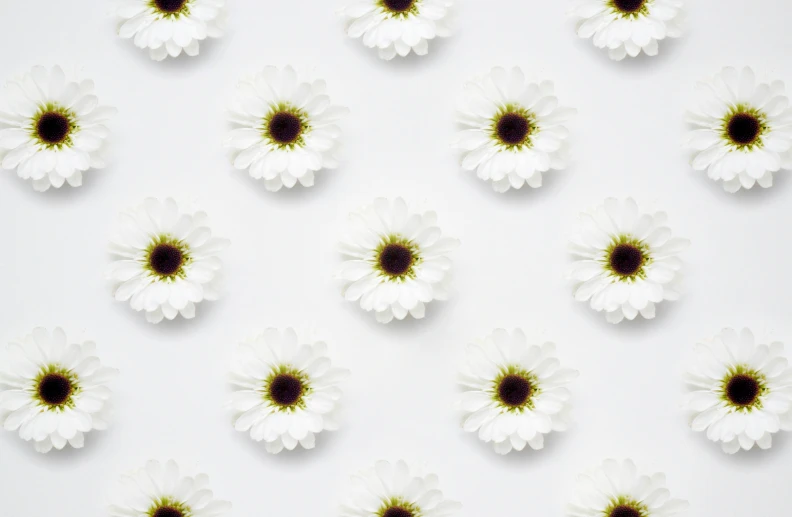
point(509, 271)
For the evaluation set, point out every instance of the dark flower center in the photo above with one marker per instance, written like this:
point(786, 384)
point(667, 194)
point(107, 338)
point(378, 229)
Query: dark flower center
point(513, 128)
point(396, 259)
point(54, 389)
point(167, 511)
point(397, 511)
point(285, 389)
point(626, 259)
point(285, 127)
point(743, 128)
point(742, 390)
point(514, 390)
point(624, 511)
point(398, 6)
point(53, 128)
point(166, 259)
point(628, 6)
point(169, 6)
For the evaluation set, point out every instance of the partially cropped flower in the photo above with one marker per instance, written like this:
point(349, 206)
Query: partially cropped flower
point(515, 129)
point(515, 391)
point(397, 490)
point(627, 27)
point(53, 392)
point(55, 129)
point(396, 27)
point(166, 260)
point(740, 390)
point(168, 27)
point(743, 129)
point(396, 260)
point(287, 128)
point(626, 260)
point(617, 489)
point(286, 392)
point(162, 490)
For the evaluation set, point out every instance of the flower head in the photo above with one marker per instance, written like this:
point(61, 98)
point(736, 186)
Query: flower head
point(626, 260)
point(286, 391)
point(514, 129)
point(165, 259)
point(396, 260)
point(55, 130)
point(51, 391)
point(168, 27)
point(515, 391)
point(740, 390)
point(287, 128)
point(743, 130)
point(397, 27)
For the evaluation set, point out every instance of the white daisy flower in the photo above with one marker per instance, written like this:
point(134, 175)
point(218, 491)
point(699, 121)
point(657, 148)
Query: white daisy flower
point(397, 26)
point(166, 27)
point(396, 260)
point(626, 27)
point(617, 489)
point(743, 130)
point(166, 259)
point(55, 129)
point(740, 390)
point(285, 390)
point(626, 260)
point(51, 391)
point(515, 129)
point(397, 490)
point(162, 490)
point(288, 128)
point(515, 391)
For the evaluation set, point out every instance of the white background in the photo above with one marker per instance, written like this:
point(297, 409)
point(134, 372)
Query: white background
point(509, 271)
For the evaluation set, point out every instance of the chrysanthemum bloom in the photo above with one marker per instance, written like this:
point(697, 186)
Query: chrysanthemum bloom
point(743, 129)
point(55, 129)
point(515, 391)
point(740, 390)
point(396, 27)
point(397, 490)
point(159, 490)
point(396, 260)
point(515, 129)
point(166, 27)
point(51, 391)
point(626, 260)
point(627, 27)
point(617, 489)
point(288, 128)
point(285, 389)
point(166, 259)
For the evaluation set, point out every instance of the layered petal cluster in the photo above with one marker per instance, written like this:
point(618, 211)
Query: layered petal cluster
point(165, 259)
point(397, 27)
point(743, 129)
point(55, 129)
point(626, 260)
point(285, 389)
point(396, 260)
point(397, 489)
point(617, 489)
point(163, 490)
point(168, 27)
point(740, 390)
point(515, 390)
point(53, 392)
point(286, 128)
point(515, 129)
point(627, 27)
